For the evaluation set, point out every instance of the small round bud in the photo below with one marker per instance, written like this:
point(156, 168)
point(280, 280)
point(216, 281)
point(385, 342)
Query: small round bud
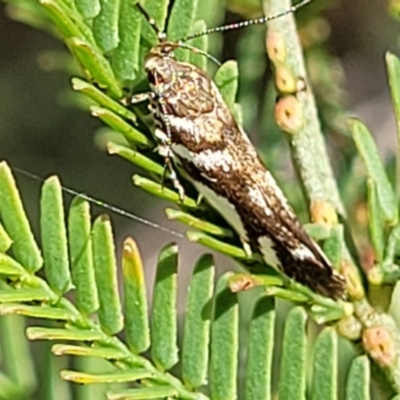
point(285, 81)
point(378, 343)
point(350, 327)
point(354, 286)
point(323, 212)
point(241, 282)
point(275, 46)
point(289, 114)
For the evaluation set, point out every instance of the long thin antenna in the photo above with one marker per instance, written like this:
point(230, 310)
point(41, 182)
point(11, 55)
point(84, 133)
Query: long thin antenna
point(183, 45)
point(243, 24)
point(106, 206)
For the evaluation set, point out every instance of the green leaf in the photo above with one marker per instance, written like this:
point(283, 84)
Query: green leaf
point(53, 386)
point(23, 295)
point(81, 255)
point(393, 67)
point(35, 311)
point(196, 334)
point(130, 133)
point(99, 352)
point(238, 113)
point(325, 366)
point(375, 221)
point(375, 170)
point(251, 48)
point(102, 99)
point(292, 383)
point(90, 392)
point(135, 299)
point(54, 236)
point(267, 280)
point(180, 22)
point(71, 5)
point(260, 351)
point(162, 192)
point(15, 221)
point(155, 392)
point(226, 80)
point(136, 158)
point(5, 240)
point(17, 354)
point(197, 223)
point(88, 8)
point(105, 266)
point(317, 231)
point(158, 11)
point(322, 314)
point(358, 381)
point(286, 294)
point(96, 65)
point(9, 389)
point(224, 343)
point(181, 19)
point(215, 244)
point(197, 59)
point(62, 18)
point(105, 25)
point(80, 335)
point(126, 57)
point(164, 349)
point(109, 377)
point(333, 245)
point(9, 267)
point(392, 246)
point(67, 12)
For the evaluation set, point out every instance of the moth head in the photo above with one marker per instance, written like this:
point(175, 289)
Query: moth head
point(160, 63)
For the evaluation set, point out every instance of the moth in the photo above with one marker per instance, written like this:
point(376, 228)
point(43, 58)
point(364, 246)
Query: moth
point(198, 132)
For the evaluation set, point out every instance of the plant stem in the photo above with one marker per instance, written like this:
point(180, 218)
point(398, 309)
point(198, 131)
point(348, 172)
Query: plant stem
point(312, 164)
point(307, 144)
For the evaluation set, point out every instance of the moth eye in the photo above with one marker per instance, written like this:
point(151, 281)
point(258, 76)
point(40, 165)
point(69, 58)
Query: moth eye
point(152, 78)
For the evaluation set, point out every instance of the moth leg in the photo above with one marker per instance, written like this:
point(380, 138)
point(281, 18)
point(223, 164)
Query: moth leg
point(246, 247)
point(164, 150)
point(140, 97)
point(137, 98)
point(200, 198)
point(174, 179)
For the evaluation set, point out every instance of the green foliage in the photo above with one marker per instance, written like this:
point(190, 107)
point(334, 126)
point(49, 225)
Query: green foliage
point(211, 335)
point(232, 344)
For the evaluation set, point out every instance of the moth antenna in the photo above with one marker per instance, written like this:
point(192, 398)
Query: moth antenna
point(243, 24)
point(198, 51)
point(104, 205)
point(161, 35)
